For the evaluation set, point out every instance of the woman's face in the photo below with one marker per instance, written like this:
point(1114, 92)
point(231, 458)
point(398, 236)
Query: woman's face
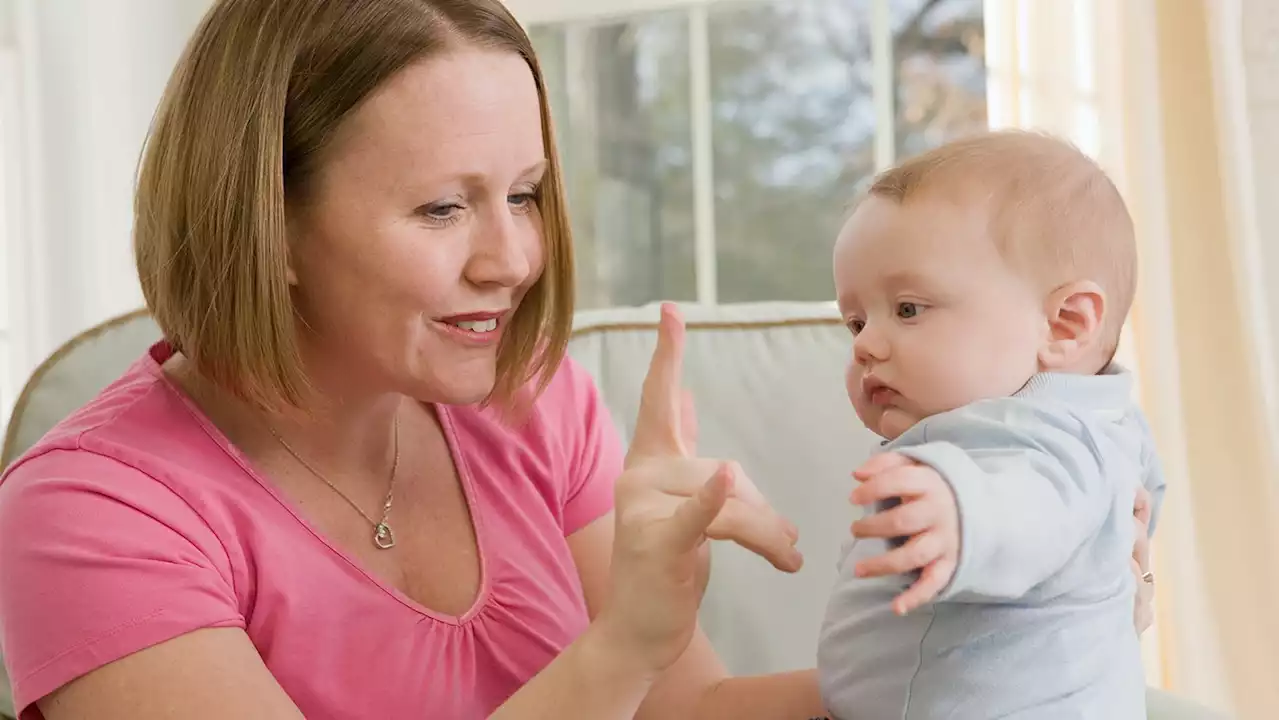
point(419, 234)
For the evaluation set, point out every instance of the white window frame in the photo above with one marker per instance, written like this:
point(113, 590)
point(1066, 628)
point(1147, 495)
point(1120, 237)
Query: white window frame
point(570, 12)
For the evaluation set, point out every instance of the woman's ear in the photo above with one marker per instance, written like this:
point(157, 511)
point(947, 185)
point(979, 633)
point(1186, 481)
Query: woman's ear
point(1075, 312)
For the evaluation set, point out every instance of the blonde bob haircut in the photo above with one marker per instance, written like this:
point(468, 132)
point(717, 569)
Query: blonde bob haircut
point(259, 92)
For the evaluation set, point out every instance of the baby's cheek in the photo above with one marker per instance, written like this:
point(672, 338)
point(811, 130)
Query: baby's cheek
point(852, 382)
point(964, 377)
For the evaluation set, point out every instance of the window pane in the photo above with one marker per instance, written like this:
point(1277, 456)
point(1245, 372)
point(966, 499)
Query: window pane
point(939, 71)
point(620, 101)
point(793, 130)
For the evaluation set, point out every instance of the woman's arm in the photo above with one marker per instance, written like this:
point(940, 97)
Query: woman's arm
point(697, 685)
point(1143, 613)
point(217, 673)
point(203, 675)
point(790, 695)
point(590, 679)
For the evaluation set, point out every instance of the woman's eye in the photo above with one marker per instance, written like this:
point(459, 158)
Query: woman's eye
point(442, 212)
point(522, 200)
point(908, 310)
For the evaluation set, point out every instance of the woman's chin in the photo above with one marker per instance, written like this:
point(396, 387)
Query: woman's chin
point(465, 386)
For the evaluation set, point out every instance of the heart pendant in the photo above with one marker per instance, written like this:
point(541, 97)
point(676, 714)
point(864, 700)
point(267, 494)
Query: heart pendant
point(383, 537)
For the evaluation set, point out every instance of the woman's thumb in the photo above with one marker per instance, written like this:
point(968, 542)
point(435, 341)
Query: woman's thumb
point(695, 515)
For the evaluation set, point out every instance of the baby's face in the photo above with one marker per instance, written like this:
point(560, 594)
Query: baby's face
point(939, 319)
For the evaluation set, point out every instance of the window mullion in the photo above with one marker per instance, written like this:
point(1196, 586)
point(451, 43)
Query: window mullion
point(700, 120)
point(882, 90)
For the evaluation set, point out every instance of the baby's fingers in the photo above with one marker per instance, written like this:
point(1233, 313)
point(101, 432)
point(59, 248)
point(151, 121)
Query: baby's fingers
point(899, 482)
point(915, 554)
point(933, 578)
point(905, 519)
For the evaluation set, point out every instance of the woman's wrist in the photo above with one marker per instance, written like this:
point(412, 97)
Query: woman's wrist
point(607, 643)
point(782, 696)
point(594, 677)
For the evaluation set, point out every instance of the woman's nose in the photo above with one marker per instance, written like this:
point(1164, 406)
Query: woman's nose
point(501, 254)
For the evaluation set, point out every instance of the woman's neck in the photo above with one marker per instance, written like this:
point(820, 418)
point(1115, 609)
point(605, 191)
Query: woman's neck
point(346, 434)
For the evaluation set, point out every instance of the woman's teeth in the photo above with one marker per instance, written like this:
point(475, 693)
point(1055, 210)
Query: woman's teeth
point(478, 326)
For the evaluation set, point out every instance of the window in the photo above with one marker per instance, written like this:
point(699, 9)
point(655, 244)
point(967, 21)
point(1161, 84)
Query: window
point(711, 147)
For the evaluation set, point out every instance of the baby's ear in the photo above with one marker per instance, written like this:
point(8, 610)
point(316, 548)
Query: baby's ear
point(1075, 312)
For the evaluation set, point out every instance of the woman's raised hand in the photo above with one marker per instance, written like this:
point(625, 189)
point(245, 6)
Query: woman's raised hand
point(667, 505)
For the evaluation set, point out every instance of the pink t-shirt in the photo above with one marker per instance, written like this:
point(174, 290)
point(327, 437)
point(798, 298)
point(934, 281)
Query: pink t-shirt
point(135, 521)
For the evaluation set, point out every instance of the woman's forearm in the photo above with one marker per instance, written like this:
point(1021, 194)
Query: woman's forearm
point(590, 679)
point(785, 696)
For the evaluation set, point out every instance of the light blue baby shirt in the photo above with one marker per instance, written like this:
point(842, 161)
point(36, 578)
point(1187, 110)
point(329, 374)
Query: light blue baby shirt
point(1038, 620)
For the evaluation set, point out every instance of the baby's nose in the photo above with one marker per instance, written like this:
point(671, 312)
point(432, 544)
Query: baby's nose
point(870, 346)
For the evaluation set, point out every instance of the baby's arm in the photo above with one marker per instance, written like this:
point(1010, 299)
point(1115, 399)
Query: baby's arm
point(999, 496)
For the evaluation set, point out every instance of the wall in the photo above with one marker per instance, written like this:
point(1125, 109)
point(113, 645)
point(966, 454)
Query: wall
point(92, 75)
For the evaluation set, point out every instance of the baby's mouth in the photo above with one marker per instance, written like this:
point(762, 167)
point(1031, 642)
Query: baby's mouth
point(877, 392)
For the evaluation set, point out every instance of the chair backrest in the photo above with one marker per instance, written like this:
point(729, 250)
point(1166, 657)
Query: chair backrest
point(768, 383)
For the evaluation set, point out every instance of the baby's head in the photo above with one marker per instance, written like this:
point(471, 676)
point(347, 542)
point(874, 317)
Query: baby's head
point(968, 269)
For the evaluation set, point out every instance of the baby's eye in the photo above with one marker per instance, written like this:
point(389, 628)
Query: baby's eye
point(855, 326)
point(908, 310)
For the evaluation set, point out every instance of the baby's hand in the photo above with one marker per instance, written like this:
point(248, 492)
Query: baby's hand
point(928, 514)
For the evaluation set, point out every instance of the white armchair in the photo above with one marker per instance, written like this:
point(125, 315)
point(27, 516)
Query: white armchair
point(768, 383)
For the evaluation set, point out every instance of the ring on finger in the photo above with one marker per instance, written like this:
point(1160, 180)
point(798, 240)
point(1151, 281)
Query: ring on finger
point(1149, 577)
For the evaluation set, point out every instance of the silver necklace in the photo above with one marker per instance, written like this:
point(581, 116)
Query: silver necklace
point(383, 537)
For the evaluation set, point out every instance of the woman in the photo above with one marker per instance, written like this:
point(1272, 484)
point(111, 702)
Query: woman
point(359, 479)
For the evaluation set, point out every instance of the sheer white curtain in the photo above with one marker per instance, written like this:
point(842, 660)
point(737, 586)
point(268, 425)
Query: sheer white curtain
point(1155, 90)
point(1246, 48)
point(88, 76)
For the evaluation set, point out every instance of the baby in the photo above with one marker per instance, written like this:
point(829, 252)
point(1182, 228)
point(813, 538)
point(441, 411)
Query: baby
point(985, 284)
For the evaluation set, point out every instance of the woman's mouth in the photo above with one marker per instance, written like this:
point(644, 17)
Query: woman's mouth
point(477, 326)
point(478, 329)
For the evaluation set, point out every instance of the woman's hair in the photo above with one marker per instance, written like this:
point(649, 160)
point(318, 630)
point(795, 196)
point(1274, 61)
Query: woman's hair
point(259, 92)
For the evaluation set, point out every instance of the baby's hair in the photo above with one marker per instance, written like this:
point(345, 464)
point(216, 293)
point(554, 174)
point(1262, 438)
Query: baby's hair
point(1053, 212)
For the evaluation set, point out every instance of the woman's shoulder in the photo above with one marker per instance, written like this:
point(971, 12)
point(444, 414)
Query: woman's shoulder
point(139, 432)
point(105, 548)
